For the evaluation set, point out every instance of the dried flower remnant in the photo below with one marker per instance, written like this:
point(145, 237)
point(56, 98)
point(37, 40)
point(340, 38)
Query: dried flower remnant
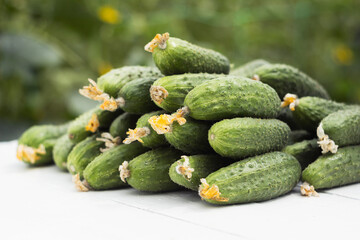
point(308, 190)
point(158, 41)
point(183, 168)
point(210, 193)
point(162, 124)
point(158, 94)
point(93, 124)
point(30, 154)
point(326, 144)
point(124, 171)
point(136, 135)
point(109, 141)
point(290, 100)
point(256, 77)
point(80, 185)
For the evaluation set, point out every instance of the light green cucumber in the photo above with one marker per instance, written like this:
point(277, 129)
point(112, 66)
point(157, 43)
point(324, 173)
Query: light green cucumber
point(188, 171)
point(253, 179)
point(333, 170)
point(122, 123)
point(306, 151)
point(298, 136)
point(61, 151)
point(248, 69)
point(232, 96)
point(244, 137)
point(103, 172)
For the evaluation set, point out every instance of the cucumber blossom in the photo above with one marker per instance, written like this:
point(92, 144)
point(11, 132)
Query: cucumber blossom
point(122, 123)
point(305, 152)
point(248, 69)
point(175, 56)
point(62, 149)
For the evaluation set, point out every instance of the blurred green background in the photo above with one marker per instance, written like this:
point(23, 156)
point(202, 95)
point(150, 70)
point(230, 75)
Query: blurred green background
point(48, 49)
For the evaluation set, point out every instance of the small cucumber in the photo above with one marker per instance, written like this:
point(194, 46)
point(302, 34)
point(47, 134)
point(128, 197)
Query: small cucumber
point(150, 171)
point(253, 179)
point(134, 96)
point(305, 152)
point(61, 151)
point(188, 171)
point(232, 96)
point(333, 170)
point(175, 56)
point(122, 123)
point(298, 136)
point(287, 79)
point(103, 172)
point(36, 144)
point(245, 137)
point(169, 92)
point(248, 69)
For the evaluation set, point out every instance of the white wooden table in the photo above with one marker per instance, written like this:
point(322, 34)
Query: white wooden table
point(42, 203)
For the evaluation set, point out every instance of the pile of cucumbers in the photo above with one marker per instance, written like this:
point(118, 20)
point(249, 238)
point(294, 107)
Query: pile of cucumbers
point(238, 135)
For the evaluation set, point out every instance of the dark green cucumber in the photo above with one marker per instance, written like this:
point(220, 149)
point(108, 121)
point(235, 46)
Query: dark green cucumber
point(287, 116)
point(287, 79)
point(103, 172)
point(177, 56)
point(36, 144)
point(232, 96)
point(82, 154)
point(248, 69)
point(298, 136)
point(253, 179)
point(245, 137)
point(114, 80)
point(188, 171)
point(333, 170)
point(169, 92)
point(305, 152)
point(134, 96)
point(150, 171)
point(122, 123)
point(61, 151)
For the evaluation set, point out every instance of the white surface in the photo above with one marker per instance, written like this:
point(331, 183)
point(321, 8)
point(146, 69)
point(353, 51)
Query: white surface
point(42, 203)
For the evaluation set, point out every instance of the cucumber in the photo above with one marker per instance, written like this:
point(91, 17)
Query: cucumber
point(233, 96)
point(248, 69)
point(103, 172)
point(287, 116)
point(254, 179)
point(333, 170)
point(305, 152)
point(287, 79)
point(188, 171)
point(298, 136)
point(82, 154)
point(62, 149)
point(134, 96)
point(175, 56)
point(150, 171)
point(122, 123)
point(36, 144)
point(169, 92)
point(245, 137)
point(145, 134)
point(191, 137)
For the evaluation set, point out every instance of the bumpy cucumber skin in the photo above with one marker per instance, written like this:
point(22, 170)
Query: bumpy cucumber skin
point(257, 178)
point(343, 127)
point(298, 136)
point(203, 165)
point(114, 80)
point(287, 79)
point(191, 137)
point(103, 172)
point(150, 171)
point(82, 154)
point(245, 137)
point(232, 96)
point(122, 123)
point(180, 57)
point(153, 140)
point(248, 69)
point(333, 170)
point(77, 131)
point(62, 149)
point(305, 152)
point(178, 86)
point(42, 134)
point(137, 97)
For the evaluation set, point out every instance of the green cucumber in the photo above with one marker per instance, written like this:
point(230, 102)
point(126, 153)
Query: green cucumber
point(134, 96)
point(169, 92)
point(61, 151)
point(122, 123)
point(245, 137)
point(305, 152)
point(175, 56)
point(287, 116)
point(188, 171)
point(253, 179)
point(298, 136)
point(36, 144)
point(287, 79)
point(150, 171)
point(191, 137)
point(248, 69)
point(103, 172)
point(333, 170)
point(232, 96)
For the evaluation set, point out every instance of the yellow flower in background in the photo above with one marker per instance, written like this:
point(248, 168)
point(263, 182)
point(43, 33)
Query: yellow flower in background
point(343, 54)
point(109, 14)
point(104, 68)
